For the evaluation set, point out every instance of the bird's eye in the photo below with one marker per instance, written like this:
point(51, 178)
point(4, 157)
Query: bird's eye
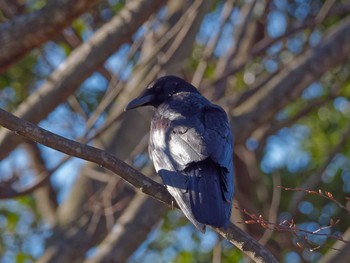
point(172, 93)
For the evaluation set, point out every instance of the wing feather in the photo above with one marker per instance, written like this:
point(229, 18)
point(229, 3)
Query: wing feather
point(220, 144)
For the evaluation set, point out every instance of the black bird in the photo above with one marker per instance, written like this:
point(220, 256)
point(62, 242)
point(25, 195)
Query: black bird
point(191, 148)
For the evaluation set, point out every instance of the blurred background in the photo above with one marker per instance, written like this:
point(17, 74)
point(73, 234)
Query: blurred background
point(280, 69)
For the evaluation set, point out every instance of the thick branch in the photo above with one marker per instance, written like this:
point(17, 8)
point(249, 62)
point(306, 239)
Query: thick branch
point(25, 32)
point(24, 128)
point(82, 62)
point(334, 50)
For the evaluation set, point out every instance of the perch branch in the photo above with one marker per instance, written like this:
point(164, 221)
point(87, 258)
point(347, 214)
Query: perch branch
point(26, 129)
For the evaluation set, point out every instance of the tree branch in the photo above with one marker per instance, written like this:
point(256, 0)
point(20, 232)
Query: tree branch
point(291, 81)
point(46, 196)
point(81, 63)
point(86, 152)
point(25, 32)
point(26, 129)
point(136, 216)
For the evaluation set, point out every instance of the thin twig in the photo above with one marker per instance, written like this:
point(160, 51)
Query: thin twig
point(290, 226)
point(324, 194)
point(276, 198)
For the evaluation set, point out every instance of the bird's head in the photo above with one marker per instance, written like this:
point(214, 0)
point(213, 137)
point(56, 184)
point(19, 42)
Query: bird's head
point(161, 90)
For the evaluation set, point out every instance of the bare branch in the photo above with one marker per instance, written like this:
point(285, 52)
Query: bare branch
point(82, 62)
point(25, 32)
point(136, 216)
point(288, 85)
point(12, 193)
point(210, 47)
point(247, 244)
point(324, 194)
point(273, 212)
point(46, 197)
point(267, 42)
point(340, 252)
point(291, 227)
point(86, 152)
point(239, 52)
point(24, 128)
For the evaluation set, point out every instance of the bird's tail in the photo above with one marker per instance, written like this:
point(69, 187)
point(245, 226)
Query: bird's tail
point(206, 194)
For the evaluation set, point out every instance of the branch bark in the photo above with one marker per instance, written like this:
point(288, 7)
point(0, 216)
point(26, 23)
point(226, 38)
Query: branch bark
point(24, 128)
point(82, 62)
point(25, 32)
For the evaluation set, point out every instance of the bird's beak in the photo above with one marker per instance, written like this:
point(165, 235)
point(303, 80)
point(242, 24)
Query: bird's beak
point(138, 102)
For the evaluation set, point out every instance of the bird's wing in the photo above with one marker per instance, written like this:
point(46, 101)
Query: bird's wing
point(220, 144)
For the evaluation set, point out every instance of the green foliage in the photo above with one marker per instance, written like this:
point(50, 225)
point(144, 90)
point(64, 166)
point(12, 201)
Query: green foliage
point(21, 257)
point(79, 26)
point(12, 219)
point(18, 80)
point(185, 257)
point(231, 254)
point(117, 5)
point(36, 5)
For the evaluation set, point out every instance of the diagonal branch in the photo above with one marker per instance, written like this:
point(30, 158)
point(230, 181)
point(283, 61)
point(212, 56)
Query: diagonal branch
point(136, 216)
point(28, 31)
point(24, 128)
point(287, 86)
point(86, 152)
point(81, 63)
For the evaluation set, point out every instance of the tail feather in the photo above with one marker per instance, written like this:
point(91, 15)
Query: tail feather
point(208, 204)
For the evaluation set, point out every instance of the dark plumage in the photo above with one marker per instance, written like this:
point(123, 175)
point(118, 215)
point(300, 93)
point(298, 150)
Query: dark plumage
point(191, 148)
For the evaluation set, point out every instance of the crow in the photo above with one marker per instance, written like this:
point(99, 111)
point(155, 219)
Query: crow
point(191, 147)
